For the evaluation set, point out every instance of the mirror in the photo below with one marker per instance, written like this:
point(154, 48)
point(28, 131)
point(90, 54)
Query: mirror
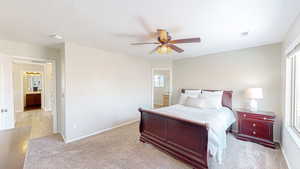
point(32, 82)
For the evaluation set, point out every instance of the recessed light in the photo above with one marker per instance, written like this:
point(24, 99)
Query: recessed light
point(55, 36)
point(244, 33)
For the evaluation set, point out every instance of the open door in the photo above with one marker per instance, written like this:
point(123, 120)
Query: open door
point(161, 87)
point(6, 93)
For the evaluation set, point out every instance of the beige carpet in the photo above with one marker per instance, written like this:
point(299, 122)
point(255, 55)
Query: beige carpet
point(121, 149)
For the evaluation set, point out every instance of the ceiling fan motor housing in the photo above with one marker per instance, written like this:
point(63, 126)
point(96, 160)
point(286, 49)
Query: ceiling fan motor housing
point(162, 41)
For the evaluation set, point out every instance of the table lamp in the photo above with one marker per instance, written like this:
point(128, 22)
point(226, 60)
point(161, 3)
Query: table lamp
point(253, 94)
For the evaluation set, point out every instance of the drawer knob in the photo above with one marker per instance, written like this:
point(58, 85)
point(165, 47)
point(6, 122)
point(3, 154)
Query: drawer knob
point(253, 124)
point(265, 118)
point(244, 115)
point(254, 132)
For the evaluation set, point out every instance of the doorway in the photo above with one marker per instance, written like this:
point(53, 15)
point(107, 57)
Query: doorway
point(161, 87)
point(34, 96)
point(32, 90)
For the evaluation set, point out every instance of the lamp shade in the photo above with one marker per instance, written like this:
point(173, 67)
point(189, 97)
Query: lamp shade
point(254, 93)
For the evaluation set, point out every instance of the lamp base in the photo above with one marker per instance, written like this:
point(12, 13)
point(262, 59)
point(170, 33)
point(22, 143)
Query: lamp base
point(253, 105)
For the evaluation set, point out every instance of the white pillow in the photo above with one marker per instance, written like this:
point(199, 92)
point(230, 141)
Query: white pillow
point(192, 92)
point(211, 99)
point(210, 93)
point(193, 102)
point(183, 98)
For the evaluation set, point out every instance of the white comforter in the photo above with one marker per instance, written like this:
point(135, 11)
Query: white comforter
point(218, 121)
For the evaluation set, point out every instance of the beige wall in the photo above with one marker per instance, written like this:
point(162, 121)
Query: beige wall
point(102, 89)
point(13, 48)
point(161, 63)
point(235, 70)
point(291, 149)
point(49, 87)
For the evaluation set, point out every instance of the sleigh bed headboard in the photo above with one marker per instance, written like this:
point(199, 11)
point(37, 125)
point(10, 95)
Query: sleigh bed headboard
point(226, 99)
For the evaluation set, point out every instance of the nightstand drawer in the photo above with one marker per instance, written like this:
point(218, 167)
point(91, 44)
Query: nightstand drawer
point(244, 115)
point(255, 128)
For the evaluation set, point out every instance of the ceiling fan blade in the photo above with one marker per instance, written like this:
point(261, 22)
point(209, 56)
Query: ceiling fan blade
point(188, 40)
point(150, 33)
point(177, 49)
point(145, 43)
point(154, 50)
point(138, 37)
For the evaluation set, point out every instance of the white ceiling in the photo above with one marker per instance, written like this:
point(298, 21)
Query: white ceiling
point(113, 24)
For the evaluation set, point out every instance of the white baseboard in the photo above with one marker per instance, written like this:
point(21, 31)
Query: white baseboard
point(49, 110)
point(101, 131)
point(285, 158)
point(63, 137)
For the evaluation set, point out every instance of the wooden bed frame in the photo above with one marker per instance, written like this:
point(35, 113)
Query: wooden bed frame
point(185, 140)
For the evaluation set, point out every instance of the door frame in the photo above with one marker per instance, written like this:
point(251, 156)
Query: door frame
point(1, 82)
point(6, 103)
point(30, 60)
point(2, 122)
point(170, 85)
point(21, 75)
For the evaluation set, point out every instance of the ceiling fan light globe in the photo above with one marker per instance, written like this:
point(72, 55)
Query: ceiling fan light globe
point(164, 49)
point(159, 50)
point(169, 50)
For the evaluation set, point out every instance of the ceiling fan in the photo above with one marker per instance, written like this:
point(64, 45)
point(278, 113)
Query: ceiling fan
point(166, 44)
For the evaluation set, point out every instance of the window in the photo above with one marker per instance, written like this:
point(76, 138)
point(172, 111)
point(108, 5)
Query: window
point(159, 81)
point(295, 92)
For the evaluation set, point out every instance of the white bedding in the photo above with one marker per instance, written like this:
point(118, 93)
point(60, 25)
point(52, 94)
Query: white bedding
point(218, 121)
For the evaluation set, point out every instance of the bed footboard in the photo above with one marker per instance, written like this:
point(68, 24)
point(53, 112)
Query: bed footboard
point(183, 139)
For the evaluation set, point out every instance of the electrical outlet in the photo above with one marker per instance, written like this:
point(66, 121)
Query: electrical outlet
point(74, 126)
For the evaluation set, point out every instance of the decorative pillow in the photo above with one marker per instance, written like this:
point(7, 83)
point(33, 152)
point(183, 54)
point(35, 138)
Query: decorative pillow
point(193, 102)
point(183, 98)
point(211, 99)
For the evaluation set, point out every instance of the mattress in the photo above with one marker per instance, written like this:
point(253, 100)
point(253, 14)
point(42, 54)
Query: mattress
point(218, 121)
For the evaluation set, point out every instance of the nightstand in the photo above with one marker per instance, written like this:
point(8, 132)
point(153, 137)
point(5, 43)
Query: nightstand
point(256, 127)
